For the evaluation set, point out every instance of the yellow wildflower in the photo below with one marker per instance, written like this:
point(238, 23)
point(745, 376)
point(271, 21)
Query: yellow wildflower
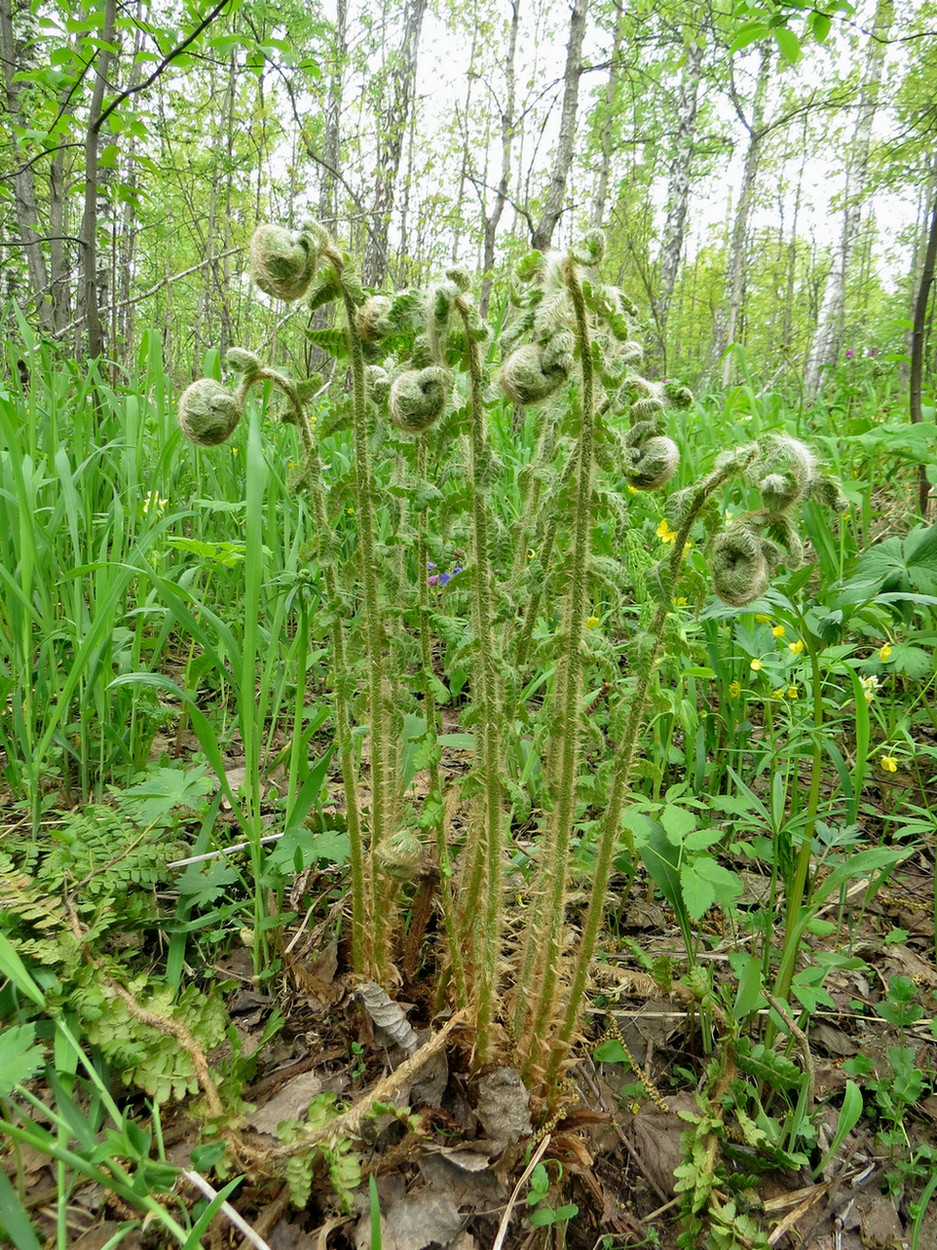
point(762, 619)
point(869, 686)
point(592, 622)
point(681, 601)
point(779, 631)
point(792, 692)
point(665, 533)
point(735, 689)
point(796, 647)
point(350, 511)
point(154, 501)
point(884, 653)
point(889, 763)
point(756, 666)
point(778, 694)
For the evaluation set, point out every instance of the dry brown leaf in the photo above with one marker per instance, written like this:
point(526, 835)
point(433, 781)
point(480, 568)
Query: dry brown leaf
point(879, 1226)
point(389, 1019)
point(503, 1106)
point(291, 1103)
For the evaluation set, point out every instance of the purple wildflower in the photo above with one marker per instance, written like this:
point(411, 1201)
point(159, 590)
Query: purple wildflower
point(430, 565)
point(444, 578)
point(873, 351)
point(431, 581)
point(849, 354)
point(457, 569)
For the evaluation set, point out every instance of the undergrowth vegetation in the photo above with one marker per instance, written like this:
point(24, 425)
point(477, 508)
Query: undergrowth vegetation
point(467, 641)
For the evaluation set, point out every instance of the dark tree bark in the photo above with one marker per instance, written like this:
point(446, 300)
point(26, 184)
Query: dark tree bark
point(393, 123)
point(507, 146)
point(919, 327)
point(88, 234)
point(542, 234)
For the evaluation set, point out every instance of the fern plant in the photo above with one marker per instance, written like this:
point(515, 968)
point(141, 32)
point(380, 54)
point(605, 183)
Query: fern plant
point(420, 485)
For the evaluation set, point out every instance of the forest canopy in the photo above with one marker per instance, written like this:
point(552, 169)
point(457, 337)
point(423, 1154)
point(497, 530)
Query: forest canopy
point(765, 172)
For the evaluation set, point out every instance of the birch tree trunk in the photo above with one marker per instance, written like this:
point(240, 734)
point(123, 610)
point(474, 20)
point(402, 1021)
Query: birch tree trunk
point(728, 316)
point(611, 91)
point(23, 179)
point(553, 206)
point(678, 190)
point(827, 339)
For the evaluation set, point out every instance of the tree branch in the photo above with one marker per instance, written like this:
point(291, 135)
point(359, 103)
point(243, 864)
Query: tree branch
point(163, 65)
point(153, 289)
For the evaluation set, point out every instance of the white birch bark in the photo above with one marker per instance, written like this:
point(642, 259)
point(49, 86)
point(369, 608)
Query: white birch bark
point(827, 338)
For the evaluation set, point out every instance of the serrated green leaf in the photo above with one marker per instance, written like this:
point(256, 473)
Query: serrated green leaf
point(677, 822)
point(20, 1060)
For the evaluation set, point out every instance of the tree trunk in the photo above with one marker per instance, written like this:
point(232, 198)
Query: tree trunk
point(727, 319)
point(24, 186)
point(507, 144)
point(611, 92)
point(827, 339)
point(88, 278)
point(393, 124)
point(332, 140)
point(919, 326)
point(678, 190)
point(553, 206)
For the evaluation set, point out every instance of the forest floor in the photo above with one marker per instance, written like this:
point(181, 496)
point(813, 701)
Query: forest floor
point(453, 1164)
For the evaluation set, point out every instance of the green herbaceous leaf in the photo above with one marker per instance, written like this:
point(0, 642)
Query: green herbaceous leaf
point(14, 1221)
point(330, 845)
point(658, 854)
point(900, 564)
point(158, 793)
point(910, 660)
point(20, 1060)
point(705, 883)
point(13, 969)
point(610, 1051)
point(677, 822)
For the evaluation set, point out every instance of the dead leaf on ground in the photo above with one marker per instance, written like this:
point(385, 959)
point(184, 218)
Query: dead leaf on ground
point(503, 1106)
point(291, 1103)
point(833, 1040)
point(472, 1188)
point(285, 1235)
point(391, 1025)
point(903, 961)
point(97, 1238)
point(657, 1140)
point(879, 1225)
point(423, 1217)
